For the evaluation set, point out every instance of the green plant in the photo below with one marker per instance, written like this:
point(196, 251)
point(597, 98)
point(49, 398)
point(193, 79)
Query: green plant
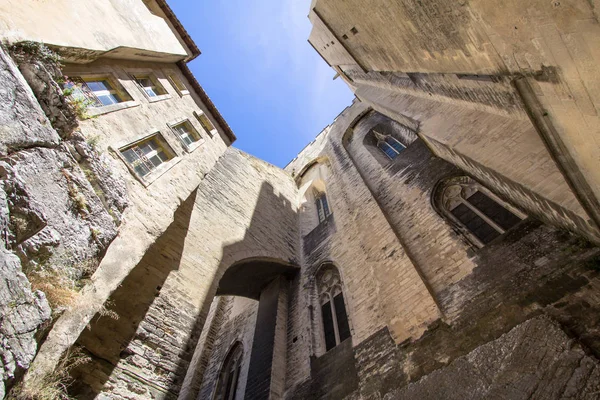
point(67, 91)
point(37, 50)
point(93, 141)
point(80, 106)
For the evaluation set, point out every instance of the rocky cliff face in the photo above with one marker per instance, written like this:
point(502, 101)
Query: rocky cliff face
point(60, 204)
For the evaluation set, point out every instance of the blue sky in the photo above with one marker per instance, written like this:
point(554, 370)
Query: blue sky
point(273, 89)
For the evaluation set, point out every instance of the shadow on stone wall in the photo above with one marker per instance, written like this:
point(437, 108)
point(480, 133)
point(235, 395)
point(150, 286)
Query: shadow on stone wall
point(108, 338)
point(247, 267)
point(148, 349)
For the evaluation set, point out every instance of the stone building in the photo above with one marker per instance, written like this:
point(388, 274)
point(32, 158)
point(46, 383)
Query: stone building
point(437, 241)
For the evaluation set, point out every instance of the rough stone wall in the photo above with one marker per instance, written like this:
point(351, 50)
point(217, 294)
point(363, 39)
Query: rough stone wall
point(534, 360)
point(244, 209)
point(128, 24)
point(61, 206)
point(239, 322)
point(552, 46)
point(403, 188)
point(534, 269)
point(152, 204)
point(381, 285)
point(509, 149)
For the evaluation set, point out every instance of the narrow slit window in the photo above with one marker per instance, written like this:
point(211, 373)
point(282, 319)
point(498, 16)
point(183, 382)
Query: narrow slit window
point(334, 318)
point(147, 155)
point(389, 145)
point(322, 207)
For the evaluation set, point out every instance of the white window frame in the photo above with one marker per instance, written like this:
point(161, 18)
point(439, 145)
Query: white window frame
point(157, 171)
point(117, 88)
point(156, 86)
point(192, 132)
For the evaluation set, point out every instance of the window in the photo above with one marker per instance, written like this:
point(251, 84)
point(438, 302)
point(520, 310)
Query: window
point(205, 122)
point(178, 85)
point(334, 317)
point(479, 213)
point(186, 133)
point(96, 92)
point(390, 146)
point(150, 85)
point(147, 155)
point(322, 206)
point(230, 374)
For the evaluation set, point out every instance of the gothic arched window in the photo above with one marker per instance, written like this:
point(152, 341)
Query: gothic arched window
point(477, 212)
point(230, 374)
point(322, 206)
point(388, 144)
point(333, 308)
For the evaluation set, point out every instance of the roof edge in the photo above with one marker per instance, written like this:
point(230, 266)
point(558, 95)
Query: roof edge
point(207, 101)
point(189, 42)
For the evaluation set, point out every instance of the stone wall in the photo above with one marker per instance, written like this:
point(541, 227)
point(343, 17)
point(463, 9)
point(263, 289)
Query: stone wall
point(62, 203)
point(511, 154)
point(152, 202)
point(481, 293)
point(104, 26)
point(547, 50)
point(244, 210)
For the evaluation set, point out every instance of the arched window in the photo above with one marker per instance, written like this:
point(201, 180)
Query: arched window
point(333, 308)
point(230, 374)
point(389, 145)
point(477, 212)
point(322, 206)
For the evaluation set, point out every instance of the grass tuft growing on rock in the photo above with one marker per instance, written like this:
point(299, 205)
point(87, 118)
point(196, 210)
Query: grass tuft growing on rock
point(53, 386)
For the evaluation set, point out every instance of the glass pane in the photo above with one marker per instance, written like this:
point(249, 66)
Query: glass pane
point(150, 91)
point(163, 156)
point(177, 83)
point(475, 224)
point(325, 205)
point(141, 169)
point(108, 99)
point(387, 149)
point(328, 329)
point(320, 212)
point(205, 122)
point(144, 82)
point(494, 211)
point(98, 86)
point(342, 317)
point(130, 156)
point(396, 145)
point(156, 160)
